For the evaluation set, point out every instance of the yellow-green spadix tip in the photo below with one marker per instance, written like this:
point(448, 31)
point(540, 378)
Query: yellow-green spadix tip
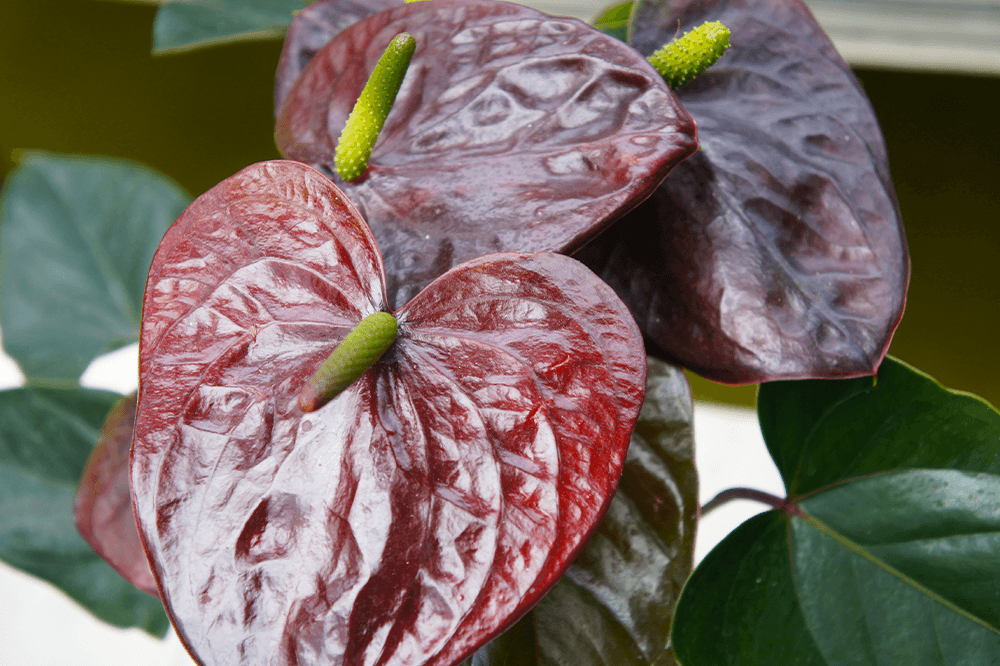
point(354, 147)
point(349, 360)
point(684, 58)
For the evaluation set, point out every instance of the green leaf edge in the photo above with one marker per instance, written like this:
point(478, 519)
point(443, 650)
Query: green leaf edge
point(618, 28)
point(241, 38)
point(894, 364)
point(156, 624)
point(855, 391)
point(25, 159)
point(757, 527)
point(661, 376)
point(174, 46)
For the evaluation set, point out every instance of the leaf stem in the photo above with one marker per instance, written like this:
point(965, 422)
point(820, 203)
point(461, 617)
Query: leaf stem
point(748, 494)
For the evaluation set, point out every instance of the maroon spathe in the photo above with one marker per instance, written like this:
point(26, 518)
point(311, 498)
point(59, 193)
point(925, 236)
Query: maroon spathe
point(424, 509)
point(513, 131)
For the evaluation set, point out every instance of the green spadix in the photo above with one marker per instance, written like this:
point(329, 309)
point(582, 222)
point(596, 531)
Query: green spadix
point(357, 352)
point(354, 147)
point(686, 57)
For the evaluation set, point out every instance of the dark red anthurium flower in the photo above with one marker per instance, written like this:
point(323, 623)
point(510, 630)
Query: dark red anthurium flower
point(774, 252)
point(102, 509)
point(513, 131)
point(421, 511)
point(777, 250)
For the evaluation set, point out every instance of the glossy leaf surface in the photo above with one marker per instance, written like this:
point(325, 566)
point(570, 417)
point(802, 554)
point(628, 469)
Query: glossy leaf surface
point(739, 607)
point(615, 603)
point(310, 31)
point(46, 436)
point(864, 426)
point(76, 238)
point(776, 251)
point(513, 130)
point(183, 25)
point(614, 20)
point(102, 510)
point(425, 508)
point(890, 549)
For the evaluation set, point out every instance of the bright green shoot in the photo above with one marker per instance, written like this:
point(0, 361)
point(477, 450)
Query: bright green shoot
point(686, 57)
point(354, 147)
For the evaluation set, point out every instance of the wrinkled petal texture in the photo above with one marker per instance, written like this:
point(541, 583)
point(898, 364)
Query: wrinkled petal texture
point(513, 131)
point(102, 509)
point(777, 251)
point(309, 32)
point(424, 509)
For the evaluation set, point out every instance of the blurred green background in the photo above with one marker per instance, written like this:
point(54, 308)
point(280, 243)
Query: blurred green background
point(76, 76)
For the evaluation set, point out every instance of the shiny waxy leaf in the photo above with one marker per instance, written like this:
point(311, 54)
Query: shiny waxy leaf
point(46, 436)
point(310, 31)
point(103, 506)
point(513, 130)
point(825, 431)
point(776, 251)
point(615, 603)
point(426, 507)
point(888, 550)
point(183, 25)
point(614, 20)
point(76, 238)
point(739, 606)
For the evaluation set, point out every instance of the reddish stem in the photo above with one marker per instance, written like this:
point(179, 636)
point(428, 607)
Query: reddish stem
point(748, 494)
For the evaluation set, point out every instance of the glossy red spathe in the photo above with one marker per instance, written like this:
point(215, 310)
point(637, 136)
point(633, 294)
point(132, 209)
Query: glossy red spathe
point(424, 509)
point(513, 130)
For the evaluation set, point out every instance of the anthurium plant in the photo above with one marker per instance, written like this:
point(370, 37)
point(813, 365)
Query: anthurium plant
point(415, 395)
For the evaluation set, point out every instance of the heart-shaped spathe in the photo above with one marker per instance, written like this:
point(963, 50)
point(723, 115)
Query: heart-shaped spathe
point(424, 509)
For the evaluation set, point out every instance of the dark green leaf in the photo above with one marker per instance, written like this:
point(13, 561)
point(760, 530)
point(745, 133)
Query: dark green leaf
point(738, 608)
point(890, 550)
point(906, 419)
point(183, 26)
point(788, 411)
point(77, 236)
point(615, 603)
point(903, 567)
point(46, 436)
point(614, 20)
